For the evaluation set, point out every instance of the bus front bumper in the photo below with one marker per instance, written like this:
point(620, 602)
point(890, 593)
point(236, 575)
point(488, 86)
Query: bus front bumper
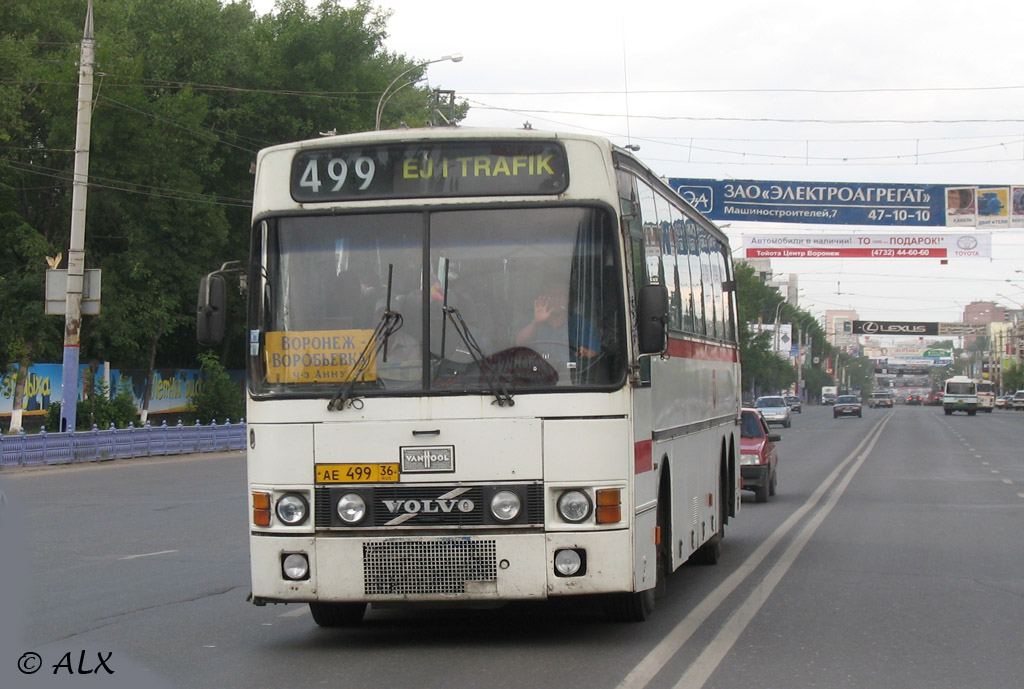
point(477, 567)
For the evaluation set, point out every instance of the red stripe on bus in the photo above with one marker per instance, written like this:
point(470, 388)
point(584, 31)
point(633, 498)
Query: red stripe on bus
point(685, 349)
point(642, 456)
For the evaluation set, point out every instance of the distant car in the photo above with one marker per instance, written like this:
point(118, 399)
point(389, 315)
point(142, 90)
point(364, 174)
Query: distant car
point(758, 459)
point(774, 409)
point(1004, 402)
point(914, 399)
point(847, 405)
point(1017, 403)
point(880, 399)
point(794, 403)
point(934, 399)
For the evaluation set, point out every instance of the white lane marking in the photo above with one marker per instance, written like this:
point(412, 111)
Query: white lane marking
point(661, 654)
point(159, 552)
point(298, 612)
point(1020, 495)
point(709, 660)
point(1007, 481)
point(994, 471)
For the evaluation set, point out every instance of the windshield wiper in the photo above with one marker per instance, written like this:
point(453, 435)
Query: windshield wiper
point(390, 323)
point(494, 380)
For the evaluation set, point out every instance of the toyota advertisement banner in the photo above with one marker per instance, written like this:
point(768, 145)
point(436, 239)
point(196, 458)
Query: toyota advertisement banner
point(873, 245)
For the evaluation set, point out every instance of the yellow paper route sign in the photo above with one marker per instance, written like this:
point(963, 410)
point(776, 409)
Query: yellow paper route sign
point(316, 356)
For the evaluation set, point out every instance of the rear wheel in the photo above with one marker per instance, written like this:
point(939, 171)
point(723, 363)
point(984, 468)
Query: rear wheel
point(337, 614)
point(711, 551)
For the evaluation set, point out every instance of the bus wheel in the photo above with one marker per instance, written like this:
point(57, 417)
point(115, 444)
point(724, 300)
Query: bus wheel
point(337, 614)
point(629, 607)
point(709, 553)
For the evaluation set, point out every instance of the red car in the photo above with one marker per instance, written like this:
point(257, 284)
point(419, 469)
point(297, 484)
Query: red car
point(758, 459)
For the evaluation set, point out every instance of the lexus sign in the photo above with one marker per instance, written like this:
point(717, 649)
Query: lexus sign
point(895, 328)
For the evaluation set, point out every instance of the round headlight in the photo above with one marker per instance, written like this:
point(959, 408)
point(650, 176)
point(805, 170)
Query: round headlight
point(574, 506)
point(567, 562)
point(506, 505)
point(295, 566)
point(351, 508)
point(292, 509)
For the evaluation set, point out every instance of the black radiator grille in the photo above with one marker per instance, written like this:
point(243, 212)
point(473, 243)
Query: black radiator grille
point(428, 506)
point(406, 567)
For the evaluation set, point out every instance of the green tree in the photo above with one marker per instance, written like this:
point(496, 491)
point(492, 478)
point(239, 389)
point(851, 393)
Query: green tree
point(187, 91)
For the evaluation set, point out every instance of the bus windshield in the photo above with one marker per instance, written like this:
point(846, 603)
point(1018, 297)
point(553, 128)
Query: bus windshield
point(961, 388)
point(515, 298)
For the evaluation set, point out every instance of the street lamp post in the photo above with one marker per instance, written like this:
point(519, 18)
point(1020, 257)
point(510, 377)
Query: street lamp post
point(391, 90)
point(776, 322)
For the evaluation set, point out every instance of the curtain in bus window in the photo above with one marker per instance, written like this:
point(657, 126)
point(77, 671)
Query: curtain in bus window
point(682, 308)
point(693, 255)
point(724, 267)
point(668, 258)
point(708, 279)
point(683, 270)
point(593, 302)
point(652, 234)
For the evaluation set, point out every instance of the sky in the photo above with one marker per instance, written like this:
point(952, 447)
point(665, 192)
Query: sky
point(894, 91)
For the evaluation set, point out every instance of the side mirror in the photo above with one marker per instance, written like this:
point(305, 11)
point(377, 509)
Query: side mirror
point(652, 318)
point(211, 310)
point(774, 437)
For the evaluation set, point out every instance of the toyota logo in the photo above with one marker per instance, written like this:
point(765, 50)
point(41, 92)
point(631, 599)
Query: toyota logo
point(966, 242)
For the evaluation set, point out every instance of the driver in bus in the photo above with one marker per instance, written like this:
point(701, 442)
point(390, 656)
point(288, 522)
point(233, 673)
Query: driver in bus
point(551, 328)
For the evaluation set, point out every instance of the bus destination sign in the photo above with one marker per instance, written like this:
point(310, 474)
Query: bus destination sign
point(429, 169)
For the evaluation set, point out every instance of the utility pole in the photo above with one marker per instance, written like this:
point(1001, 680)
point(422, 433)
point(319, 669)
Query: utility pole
point(76, 249)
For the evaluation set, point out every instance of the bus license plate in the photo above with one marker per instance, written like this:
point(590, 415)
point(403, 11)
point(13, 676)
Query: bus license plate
point(357, 473)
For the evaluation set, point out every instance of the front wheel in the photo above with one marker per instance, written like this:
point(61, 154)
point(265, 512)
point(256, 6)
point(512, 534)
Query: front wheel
point(629, 607)
point(337, 614)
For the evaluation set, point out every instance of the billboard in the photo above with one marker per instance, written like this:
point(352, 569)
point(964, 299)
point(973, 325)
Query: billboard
point(874, 245)
point(841, 203)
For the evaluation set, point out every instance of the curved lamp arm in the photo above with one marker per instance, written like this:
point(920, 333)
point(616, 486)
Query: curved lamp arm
point(390, 90)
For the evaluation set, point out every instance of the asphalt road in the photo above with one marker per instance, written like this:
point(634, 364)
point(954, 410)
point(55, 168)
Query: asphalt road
point(892, 556)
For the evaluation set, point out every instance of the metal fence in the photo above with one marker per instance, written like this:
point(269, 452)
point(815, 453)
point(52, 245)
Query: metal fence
point(119, 443)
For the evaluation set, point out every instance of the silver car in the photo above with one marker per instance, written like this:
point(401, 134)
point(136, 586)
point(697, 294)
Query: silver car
point(774, 409)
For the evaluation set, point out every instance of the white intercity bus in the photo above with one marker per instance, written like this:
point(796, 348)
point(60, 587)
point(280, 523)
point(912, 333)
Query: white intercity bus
point(483, 365)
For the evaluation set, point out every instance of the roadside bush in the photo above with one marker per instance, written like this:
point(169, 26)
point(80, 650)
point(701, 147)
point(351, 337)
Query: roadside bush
point(100, 409)
point(217, 397)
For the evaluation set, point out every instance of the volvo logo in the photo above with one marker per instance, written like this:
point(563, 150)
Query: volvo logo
point(443, 504)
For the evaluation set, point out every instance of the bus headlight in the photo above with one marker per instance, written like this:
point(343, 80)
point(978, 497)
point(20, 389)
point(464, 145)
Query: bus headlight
point(506, 505)
point(292, 509)
point(570, 563)
point(574, 506)
point(351, 508)
point(295, 566)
